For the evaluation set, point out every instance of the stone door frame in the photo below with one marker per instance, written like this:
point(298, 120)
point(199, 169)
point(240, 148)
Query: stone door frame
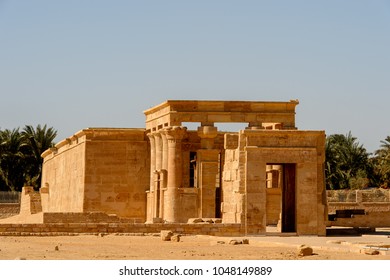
point(306, 188)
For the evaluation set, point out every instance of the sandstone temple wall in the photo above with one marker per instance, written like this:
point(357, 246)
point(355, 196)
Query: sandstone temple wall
point(245, 178)
point(269, 174)
point(63, 174)
point(98, 170)
point(233, 188)
point(117, 172)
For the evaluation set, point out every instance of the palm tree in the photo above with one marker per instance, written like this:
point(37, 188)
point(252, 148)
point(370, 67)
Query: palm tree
point(346, 160)
point(13, 151)
point(20, 156)
point(382, 162)
point(39, 140)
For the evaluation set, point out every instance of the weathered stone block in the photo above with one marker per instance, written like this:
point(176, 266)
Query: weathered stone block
point(195, 220)
point(166, 235)
point(304, 250)
point(175, 238)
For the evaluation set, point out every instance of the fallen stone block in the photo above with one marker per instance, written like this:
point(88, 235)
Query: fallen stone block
point(195, 221)
point(304, 250)
point(235, 242)
point(245, 241)
point(371, 252)
point(175, 238)
point(166, 235)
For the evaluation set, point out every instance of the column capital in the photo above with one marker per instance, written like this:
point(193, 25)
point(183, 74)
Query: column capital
point(150, 135)
point(174, 132)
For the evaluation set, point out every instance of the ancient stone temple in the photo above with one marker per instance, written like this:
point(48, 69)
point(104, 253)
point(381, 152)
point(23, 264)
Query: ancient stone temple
point(268, 176)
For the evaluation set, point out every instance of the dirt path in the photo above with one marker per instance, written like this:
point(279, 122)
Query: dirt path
point(92, 247)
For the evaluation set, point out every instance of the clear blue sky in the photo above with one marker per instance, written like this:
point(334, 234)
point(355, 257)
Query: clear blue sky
point(77, 64)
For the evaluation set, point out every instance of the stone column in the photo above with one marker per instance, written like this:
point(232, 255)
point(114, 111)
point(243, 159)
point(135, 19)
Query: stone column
point(207, 135)
point(163, 172)
point(279, 168)
point(207, 162)
point(164, 151)
point(150, 194)
point(156, 188)
point(174, 165)
point(268, 176)
point(152, 159)
point(163, 188)
point(158, 140)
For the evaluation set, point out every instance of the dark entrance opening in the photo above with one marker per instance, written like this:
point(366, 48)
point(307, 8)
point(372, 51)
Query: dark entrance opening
point(193, 182)
point(218, 189)
point(218, 199)
point(288, 198)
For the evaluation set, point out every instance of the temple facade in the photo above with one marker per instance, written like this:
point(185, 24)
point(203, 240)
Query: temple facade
point(267, 177)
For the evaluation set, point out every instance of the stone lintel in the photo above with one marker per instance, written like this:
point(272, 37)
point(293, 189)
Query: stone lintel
point(174, 112)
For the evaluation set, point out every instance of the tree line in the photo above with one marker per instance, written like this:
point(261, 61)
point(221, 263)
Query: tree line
point(347, 166)
point(20, 156)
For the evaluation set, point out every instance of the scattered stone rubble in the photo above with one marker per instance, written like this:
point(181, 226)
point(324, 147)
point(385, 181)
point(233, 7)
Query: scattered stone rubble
point(371, 252)
point(204, 221)
point(168, 235)
point(238, 242)
point(175, 238)
point(304, 250)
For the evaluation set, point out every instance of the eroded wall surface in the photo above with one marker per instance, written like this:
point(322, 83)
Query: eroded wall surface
point(233, 186)
point(98, 170)
point(63, 174)
point(117, 172)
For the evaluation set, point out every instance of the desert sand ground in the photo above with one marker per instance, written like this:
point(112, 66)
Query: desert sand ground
point(123, 247)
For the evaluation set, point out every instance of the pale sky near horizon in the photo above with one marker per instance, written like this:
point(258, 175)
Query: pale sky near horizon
point(78, 64)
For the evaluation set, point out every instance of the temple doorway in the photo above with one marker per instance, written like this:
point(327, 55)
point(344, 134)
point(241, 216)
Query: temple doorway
point(281, 198)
